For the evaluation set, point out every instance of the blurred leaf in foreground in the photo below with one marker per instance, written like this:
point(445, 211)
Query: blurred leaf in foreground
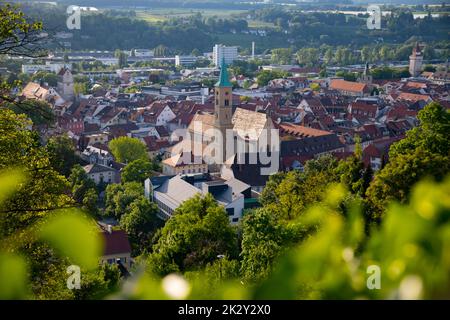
point(75, 236)
point(13, 277)
point(9, 182)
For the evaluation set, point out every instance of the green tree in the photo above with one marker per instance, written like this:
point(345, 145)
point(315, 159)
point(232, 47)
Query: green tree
point(429, 68)
point(39, 112)
point(119, 197)
point(140, 221)
point(99, 283)
point(194, 236)
point(265, 76)
point(281, 55)
point(80, 88)
point(214, 275)
point(328, 57)
point(41, 191)
point(262, 242)
point(308, 56)
point(62, 154)
point(424, 152)
point(19, 35)
point(138, 170)
point(122, 58)
point(48, 77)
point(19, 147)
point(161, 51)
point(84, 190)
point(351, 170)
point(287, 195)
point(365, 54)
point(196, 53)
point(126, 149)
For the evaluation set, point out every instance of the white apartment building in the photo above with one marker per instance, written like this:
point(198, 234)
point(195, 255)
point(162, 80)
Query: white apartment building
point(143, 53)
point(185, 60)
point(221, 52)
point(48, 67)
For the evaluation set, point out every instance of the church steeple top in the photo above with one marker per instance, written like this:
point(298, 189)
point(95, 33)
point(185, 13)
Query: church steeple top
point(417, 50)
point(366, 69)
point(224, 81)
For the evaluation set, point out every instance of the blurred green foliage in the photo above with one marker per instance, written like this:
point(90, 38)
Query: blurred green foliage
point(410, 248)
point(75, 236)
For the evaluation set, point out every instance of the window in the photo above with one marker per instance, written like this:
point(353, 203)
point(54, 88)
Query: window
point(235, 219)
point(227, 102)
point(230, 211)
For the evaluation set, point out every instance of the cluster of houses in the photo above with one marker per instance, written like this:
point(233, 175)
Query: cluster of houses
point(310, 123)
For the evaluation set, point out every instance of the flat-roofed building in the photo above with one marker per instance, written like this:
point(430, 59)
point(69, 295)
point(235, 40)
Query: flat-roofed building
point(185, 60)
point(224, 53)
point(169, 192)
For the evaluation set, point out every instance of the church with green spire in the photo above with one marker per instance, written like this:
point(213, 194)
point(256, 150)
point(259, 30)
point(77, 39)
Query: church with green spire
point(224, 80)
point(223, 102)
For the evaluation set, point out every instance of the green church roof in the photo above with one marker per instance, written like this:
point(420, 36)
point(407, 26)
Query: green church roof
point(223, 78)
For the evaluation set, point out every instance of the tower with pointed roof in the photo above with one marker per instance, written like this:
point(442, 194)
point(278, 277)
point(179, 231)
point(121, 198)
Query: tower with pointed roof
point(65, 84)
point(223, 101)
point(366, 77)
point(415, 61)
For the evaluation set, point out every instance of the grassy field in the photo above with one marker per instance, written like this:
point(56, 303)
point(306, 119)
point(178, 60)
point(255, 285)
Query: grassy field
point(260, 24)
point(156, 15)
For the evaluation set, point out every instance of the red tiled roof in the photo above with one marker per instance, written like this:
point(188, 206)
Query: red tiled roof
point(364, 106)
point(416, 85)
point(301, 131)
point(413, 96)
point(350, 86)
point(116, 242)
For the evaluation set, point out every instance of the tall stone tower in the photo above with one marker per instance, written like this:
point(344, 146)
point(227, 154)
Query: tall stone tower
point(65, 84)
point(366, 77)
point(415, 61)
point(223, 101)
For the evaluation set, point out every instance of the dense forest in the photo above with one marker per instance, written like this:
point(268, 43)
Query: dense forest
point(113, 29)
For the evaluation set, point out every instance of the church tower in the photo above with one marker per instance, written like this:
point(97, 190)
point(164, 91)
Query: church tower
point(366, 77)
point(415, 61)
point(223, 101)
point(65, 84)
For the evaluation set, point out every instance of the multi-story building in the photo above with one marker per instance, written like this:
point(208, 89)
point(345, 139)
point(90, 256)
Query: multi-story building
point(102, 174)
point(169, 192)
point(48, 67)
point(224, 53)
point(185, 60)
point(143, 53)
point(184, 163)
point(350, 88)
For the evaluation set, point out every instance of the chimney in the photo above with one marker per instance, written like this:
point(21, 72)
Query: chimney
point(253, 50)
point(109, 228)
